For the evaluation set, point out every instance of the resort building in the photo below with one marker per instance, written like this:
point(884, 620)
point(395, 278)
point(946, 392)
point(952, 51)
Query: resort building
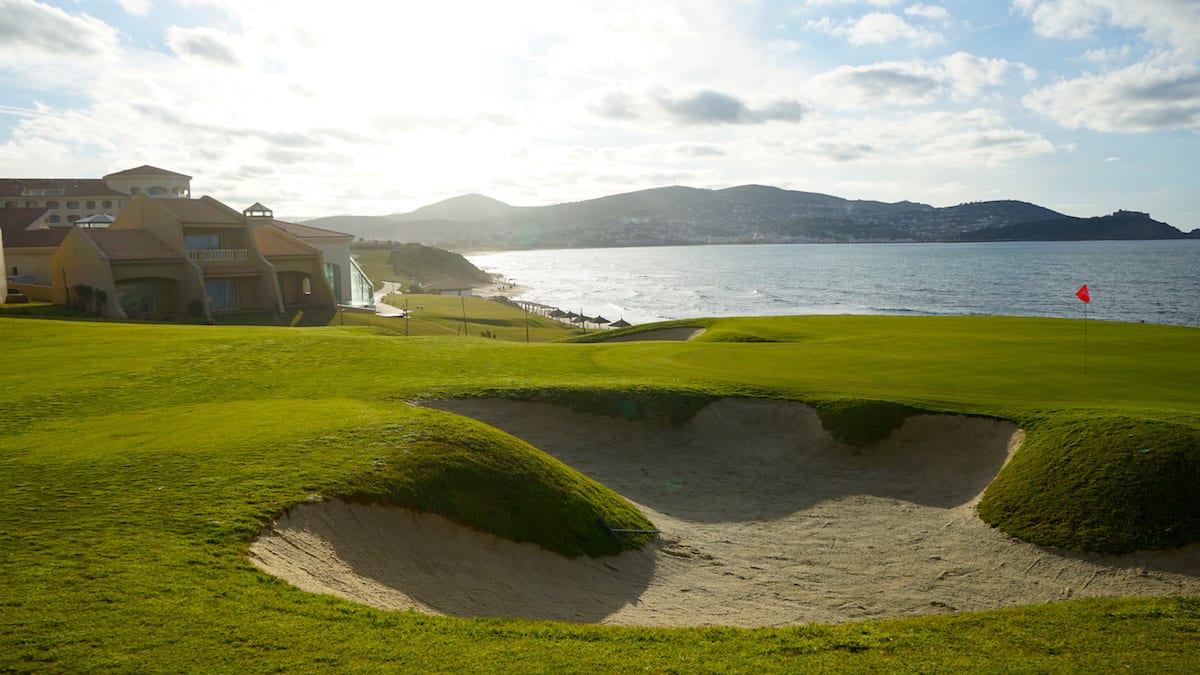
point(3, 275)
point(150, 250)
point(69, 200)
point(28, 250)
point(350, 284)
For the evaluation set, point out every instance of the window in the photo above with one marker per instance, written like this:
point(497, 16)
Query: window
point(52, 205)
point(31, 205)
point(91, 205)
point(202, 242)
point(10, 205)
point(138, 297)
point(73, 218)
point(222, 294)
point(106, 204)
point(135, 191)
point(74, 206)
point(157, 191)
point(333, 274)
point(362, 292)
point(54, 220)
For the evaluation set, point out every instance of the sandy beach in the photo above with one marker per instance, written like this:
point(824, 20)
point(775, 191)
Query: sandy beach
point(765, 520)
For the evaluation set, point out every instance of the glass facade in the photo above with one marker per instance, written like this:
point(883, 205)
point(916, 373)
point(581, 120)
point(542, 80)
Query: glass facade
point(222, 294)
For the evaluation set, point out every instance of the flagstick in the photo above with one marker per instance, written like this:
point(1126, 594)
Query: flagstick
point(1085, 370)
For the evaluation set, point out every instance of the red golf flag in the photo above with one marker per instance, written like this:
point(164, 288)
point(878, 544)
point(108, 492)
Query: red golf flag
point(1083, 294)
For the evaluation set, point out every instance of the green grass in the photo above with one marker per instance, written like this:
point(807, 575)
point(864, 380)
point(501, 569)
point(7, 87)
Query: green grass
point(477, 317)
point(137, 463)
point(377, 265)
point(1101, 483)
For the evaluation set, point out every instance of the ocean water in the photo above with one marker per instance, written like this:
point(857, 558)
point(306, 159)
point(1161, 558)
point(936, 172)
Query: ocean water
point(1151, 281)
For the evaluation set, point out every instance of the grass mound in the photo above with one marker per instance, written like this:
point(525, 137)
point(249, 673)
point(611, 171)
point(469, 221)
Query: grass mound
point(650, 404)
point(490, 481)
point(1105, 484)
point(862, 422)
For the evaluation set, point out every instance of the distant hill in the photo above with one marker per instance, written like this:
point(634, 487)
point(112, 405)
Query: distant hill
point(417, 263)
point(1120, 225)
point(467, 208)
point(743, 214)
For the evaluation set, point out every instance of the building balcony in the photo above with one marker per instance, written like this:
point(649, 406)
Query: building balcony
point(220, 255)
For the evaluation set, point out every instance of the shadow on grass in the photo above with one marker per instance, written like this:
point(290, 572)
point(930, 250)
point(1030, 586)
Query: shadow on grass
point(747, 460)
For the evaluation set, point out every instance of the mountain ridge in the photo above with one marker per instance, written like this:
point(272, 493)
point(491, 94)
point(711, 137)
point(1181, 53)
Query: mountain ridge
point(741, 214)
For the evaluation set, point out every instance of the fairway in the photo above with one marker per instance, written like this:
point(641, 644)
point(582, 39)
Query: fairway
point(140, 463)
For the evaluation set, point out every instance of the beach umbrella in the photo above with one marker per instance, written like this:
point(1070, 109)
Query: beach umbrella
point(620, 323)
point(558, 313)
point(600, 319)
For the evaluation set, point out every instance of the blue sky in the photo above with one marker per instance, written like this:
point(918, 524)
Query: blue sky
point(1085, 106)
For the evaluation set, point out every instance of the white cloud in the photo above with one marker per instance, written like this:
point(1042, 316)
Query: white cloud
point(969, 74)
point(893, 84)
point(961, 75)
point(931, 12)
point(1071, 19)
point(974, 138)
point(1139, 98)
point(832, 3)
point(204, 44)
point(877, 28)
point(135, 7)
point(34, 32)
point(714, 107)
point(1172, 23)
point(1107, 55)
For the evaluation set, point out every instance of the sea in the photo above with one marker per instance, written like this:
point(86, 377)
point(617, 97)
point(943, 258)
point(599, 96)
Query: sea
point(1146, 281)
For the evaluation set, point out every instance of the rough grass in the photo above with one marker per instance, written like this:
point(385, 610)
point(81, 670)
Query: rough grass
point(475, 317)
point(487, 480)
point(1100, 483)
point(137, 462)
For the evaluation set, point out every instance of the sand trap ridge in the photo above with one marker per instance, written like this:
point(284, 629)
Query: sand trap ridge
point(766, 521)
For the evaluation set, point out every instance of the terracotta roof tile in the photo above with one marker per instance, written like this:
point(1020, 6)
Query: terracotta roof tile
point(132, 245)
point(273, 243)
point(14, 222)
point(203, 211)
point(55, 188)
point(147, 170)
point(308, 231)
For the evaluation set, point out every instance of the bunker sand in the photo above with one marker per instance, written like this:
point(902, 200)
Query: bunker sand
point(766, 521)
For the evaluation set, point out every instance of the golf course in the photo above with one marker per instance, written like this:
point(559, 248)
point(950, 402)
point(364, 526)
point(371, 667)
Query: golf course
point(892, 493)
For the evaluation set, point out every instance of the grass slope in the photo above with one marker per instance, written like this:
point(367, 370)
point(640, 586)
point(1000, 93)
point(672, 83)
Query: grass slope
point(477, 317)
point(137, 462)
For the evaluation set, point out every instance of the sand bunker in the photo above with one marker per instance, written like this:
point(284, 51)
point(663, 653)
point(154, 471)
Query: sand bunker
point(766, 521)
point(681, 334)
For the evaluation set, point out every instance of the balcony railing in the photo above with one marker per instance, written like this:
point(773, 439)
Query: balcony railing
point(221, 255)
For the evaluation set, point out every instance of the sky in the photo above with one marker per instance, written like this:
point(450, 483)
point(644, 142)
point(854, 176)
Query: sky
point(372, 108)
